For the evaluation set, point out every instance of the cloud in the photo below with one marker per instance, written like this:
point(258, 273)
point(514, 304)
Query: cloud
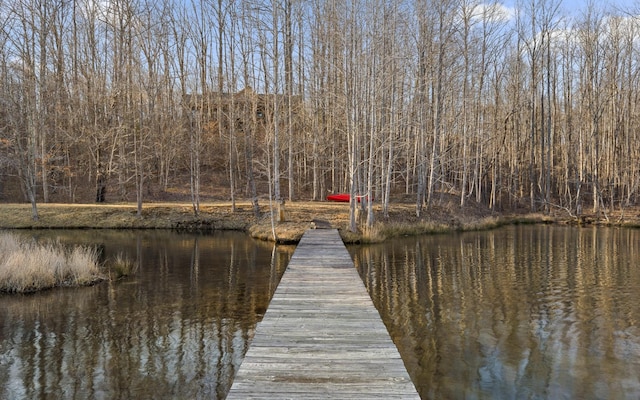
point(494, 12)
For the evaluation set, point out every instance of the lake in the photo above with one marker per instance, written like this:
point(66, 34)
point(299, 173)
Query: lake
point(178, 328)
point(516, 312)
point(521, 312)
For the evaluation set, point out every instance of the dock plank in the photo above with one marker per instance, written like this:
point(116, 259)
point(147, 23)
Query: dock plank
point(321, 337)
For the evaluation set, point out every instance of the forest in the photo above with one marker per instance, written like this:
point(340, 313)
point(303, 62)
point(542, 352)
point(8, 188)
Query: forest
point(532, 106)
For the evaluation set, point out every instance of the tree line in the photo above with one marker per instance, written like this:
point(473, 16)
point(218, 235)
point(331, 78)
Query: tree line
point(530, 106)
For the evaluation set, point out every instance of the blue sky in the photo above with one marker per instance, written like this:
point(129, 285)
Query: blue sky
point(581, 5)
point(577, 6)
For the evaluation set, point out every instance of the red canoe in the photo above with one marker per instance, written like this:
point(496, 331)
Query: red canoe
point(343, 197)
point(339, 197)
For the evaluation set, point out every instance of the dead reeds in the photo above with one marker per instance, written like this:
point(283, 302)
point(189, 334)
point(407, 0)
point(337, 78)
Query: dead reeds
point(121, 266)
point(28, 266)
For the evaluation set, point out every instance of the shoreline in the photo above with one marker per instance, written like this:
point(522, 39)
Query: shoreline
point(299, 216)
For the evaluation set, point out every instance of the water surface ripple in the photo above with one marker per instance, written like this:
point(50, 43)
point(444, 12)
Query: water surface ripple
point(523, 312)
point(177, 329)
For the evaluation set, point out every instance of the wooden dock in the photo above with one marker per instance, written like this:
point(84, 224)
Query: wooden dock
point(321, 337)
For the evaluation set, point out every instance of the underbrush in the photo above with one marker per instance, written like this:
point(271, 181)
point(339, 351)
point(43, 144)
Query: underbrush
point(28, 266)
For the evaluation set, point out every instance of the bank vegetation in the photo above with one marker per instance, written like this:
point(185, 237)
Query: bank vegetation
point(444, 215)
point(28, 266)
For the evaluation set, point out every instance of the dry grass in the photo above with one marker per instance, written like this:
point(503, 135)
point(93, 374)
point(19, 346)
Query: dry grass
point(124, 216)
point(444, 215)
point(380, 232)
point(121, 266)
point(27, 266)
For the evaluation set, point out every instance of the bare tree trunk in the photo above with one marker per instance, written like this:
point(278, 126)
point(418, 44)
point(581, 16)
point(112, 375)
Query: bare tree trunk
point(444, 27)
point(194, 163)
point(288, 76)
point(222, 107)
point(139, 154)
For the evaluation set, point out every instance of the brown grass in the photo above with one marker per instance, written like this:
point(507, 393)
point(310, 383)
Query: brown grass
point(443, 215)
point(27, 266)
point(121, 266)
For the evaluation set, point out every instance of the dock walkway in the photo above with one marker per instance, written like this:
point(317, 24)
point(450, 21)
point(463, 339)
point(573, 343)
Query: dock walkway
point(321, 337)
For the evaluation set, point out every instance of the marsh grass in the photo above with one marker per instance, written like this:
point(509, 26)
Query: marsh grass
point(27, 266)
point(380, 232)
point(121, 266)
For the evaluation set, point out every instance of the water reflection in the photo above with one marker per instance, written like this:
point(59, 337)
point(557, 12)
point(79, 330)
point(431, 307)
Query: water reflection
point(177, 329)
point(520, 312)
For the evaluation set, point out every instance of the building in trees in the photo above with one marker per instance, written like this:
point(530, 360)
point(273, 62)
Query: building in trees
point(249, 110)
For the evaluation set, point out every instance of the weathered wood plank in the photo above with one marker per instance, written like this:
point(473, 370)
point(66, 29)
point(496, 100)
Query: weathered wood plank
point(321, 337)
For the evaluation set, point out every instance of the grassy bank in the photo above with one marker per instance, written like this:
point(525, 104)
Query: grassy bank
point(122, 216)
point(27, 266)
point(440, 217)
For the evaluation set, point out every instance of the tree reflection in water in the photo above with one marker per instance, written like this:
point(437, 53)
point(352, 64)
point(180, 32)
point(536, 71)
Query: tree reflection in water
point(518, 312)
point(179, 328)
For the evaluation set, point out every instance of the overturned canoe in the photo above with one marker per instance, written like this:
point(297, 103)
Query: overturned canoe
point(339, 197)
point(343, 197)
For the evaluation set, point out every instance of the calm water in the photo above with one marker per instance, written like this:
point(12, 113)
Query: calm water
point(177, 329)
point(524, 312)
